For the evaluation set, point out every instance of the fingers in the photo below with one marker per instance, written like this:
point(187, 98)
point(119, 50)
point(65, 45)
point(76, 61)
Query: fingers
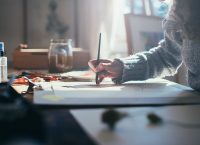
point(92, 66)
point(101, 76)
point(93, 63)
point(105, 69)
point(104, 66)
point(100, 79)
point(105, 74)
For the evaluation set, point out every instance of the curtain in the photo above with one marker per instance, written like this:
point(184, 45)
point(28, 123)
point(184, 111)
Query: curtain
point(105, 16)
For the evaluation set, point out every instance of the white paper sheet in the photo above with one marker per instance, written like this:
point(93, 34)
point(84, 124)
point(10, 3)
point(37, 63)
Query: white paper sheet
point(131, 93)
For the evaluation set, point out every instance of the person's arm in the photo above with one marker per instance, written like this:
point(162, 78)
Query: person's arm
point(160, 61)
point(191, 58)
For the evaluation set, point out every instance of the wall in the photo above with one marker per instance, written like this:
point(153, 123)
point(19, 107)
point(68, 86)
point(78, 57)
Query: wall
point(11, 26)
point(12, 22)
point(38, 19)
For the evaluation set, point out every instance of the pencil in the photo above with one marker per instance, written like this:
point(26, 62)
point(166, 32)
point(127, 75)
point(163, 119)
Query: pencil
point(98, 59)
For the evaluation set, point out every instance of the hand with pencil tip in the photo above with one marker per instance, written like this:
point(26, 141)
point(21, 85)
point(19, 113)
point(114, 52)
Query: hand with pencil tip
point(106, 69)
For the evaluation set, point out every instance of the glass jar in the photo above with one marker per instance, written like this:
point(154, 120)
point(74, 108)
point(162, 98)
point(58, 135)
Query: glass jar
point(60, 55)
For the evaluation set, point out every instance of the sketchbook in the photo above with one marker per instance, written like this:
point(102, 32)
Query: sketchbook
point(151, 92)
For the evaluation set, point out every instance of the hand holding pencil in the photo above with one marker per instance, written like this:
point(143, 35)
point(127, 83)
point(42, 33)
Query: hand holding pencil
point(106, 69)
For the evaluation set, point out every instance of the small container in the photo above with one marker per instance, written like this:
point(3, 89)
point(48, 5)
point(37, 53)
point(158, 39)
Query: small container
point(60, 55)
point(3, 64)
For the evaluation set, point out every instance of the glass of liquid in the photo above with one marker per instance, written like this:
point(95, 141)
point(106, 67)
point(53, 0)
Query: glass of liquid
point(60, 55)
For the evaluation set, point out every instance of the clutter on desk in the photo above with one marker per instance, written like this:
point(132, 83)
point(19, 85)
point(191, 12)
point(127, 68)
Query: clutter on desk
point(37, 76)
point(32, 79)
point(34, 76)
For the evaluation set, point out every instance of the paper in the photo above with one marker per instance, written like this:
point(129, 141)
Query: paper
point(81, 76)
point(131, 93)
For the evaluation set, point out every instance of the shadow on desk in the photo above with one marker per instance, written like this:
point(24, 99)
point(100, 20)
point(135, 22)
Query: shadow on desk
point(63, 129)
point(22, 123)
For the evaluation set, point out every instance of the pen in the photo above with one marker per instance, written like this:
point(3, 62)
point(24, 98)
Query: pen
point(98, 57)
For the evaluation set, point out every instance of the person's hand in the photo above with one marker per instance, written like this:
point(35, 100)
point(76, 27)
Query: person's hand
point(106, 68)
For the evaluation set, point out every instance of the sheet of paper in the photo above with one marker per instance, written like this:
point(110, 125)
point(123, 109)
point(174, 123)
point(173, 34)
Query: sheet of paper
point(138, 92)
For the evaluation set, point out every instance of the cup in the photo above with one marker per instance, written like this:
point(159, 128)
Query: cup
point(60, 55)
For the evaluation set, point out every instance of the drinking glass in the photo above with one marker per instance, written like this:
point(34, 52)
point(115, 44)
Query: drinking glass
point(60, 55)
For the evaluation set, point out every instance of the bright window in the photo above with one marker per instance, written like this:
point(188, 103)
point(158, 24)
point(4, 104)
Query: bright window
point(147, 7)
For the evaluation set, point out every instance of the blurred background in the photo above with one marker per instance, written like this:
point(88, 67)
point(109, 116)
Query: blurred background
point(127, 26)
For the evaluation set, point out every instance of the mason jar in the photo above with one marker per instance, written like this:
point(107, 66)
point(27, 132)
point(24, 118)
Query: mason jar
point(60, 55)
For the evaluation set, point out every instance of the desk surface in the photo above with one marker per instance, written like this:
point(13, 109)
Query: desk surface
point(181, 126)
point(63, 129)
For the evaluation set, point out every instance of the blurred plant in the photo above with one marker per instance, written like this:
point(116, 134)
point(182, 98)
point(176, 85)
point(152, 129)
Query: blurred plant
point(111, 117)
point(54, 25)
point(154, 119)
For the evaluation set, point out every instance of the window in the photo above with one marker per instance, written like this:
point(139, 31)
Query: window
point(116, 37)
point(138, 7)
point(159, 9)
point(147, 7)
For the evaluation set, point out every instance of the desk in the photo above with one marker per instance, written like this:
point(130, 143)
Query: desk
point(136, 130)
point(60, 127)
point(63, 129)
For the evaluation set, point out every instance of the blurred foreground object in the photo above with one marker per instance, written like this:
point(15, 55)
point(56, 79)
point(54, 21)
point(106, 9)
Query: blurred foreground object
point(20, 122)
point(154, 119)
point(111, 117)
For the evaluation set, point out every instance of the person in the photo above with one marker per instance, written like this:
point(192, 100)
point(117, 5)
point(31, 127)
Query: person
point(181, 44)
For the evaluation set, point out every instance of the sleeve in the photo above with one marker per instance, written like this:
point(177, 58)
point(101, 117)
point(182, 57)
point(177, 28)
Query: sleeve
point(160, 61)
point(191, 55)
